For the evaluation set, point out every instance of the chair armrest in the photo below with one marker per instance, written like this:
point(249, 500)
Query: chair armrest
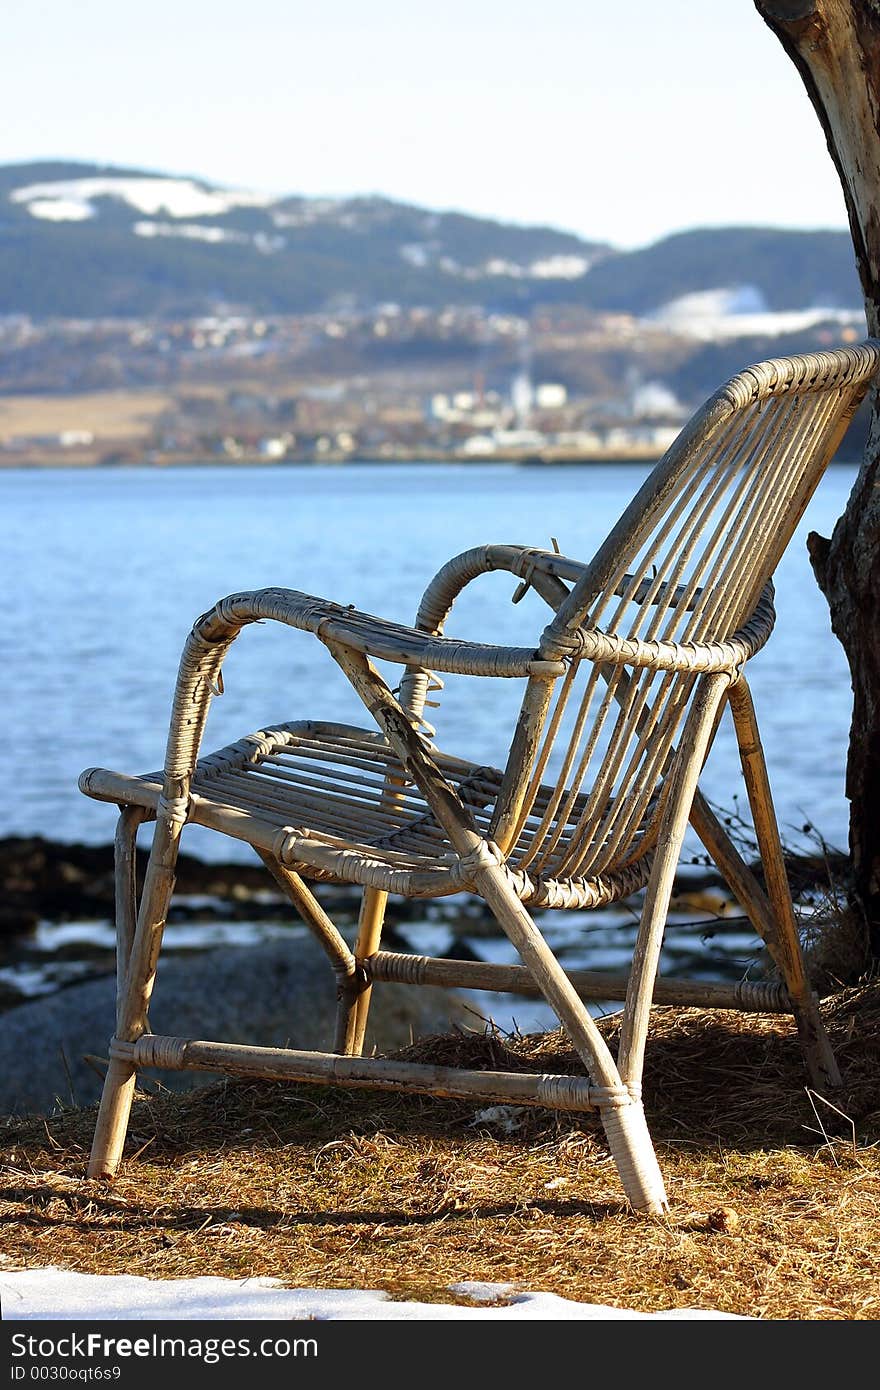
point(377, 637)
point(200, 673)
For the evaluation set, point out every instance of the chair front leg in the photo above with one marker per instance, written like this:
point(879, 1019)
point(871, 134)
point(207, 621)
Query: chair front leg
point(679, 789)
point(131, 818)
point(621, 1112)
point(349, 980)
point(134, 998)
point(354, 1007)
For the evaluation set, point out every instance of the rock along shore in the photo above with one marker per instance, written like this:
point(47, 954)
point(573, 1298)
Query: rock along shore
point(46, 880)
point(274, 994)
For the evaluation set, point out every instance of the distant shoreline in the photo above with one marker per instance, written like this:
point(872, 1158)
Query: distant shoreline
point(255, 461)
point(526, 460)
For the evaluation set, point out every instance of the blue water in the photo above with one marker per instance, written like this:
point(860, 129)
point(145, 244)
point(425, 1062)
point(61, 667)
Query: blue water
point(105, 570)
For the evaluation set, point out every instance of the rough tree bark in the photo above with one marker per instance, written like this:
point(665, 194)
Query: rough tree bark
point(835, 46)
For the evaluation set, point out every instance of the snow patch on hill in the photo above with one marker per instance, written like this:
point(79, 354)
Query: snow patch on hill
point(740, 311)
point(560, 268)
point(60, 209)
point(72, 200)
point(196, 231)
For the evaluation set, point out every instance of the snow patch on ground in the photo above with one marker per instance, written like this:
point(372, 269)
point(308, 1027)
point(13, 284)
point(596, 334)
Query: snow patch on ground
point(47, 1294)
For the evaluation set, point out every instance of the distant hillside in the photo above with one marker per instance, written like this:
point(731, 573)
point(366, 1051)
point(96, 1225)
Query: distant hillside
point(790, 269)
point(81, 240)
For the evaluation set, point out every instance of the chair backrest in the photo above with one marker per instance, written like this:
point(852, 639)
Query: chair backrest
point(686, 564)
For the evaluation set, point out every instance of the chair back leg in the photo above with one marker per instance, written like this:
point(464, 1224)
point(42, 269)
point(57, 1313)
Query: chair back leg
point(818, 1056)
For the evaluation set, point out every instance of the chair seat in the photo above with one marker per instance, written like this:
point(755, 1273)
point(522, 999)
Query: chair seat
point(342, 788)
point(334, 803)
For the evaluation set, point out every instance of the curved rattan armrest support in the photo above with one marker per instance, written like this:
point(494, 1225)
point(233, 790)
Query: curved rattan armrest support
point(545, 571)
point(728, 655)
point(521, 560)
point(444, 589)
point(199, 676)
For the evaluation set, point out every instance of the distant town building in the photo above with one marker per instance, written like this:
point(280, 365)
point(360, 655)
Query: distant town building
point(479, 446)
point(550, 395)
point(273, 448)
point(522, 397)
point(73, 439)
point(519, 439)
point(653, 400)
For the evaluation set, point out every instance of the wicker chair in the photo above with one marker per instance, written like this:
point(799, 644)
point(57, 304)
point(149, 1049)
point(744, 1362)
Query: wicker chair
point(623, 692)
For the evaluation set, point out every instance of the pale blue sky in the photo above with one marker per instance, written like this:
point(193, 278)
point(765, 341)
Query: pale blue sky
point(621, 122)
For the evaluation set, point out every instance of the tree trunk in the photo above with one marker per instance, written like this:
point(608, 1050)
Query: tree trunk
point(835, 46)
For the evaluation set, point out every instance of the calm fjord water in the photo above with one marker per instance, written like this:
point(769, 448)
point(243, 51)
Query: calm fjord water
point(105, 571)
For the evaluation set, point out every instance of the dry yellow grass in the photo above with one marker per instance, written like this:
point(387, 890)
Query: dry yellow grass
point(106, 414)
point(775, 1197)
